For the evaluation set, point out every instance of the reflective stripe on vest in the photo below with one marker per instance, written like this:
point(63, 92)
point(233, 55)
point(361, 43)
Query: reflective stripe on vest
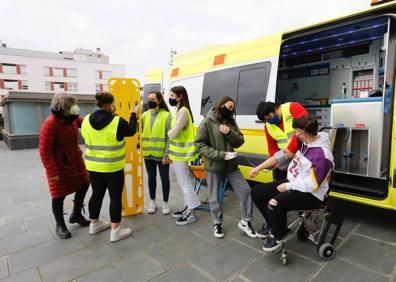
point(103, 153)
point(282, 138)
point(154, 137)
point(182, 148)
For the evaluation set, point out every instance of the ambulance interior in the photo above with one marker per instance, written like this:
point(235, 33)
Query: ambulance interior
point(338, 75)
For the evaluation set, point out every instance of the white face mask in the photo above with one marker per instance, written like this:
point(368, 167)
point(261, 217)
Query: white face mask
point(74, 110)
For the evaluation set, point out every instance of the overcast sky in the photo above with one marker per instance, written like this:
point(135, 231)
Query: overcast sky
point(140, 34)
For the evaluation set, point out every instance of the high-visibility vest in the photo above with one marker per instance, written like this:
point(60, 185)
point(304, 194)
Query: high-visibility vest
point(282, 138)
point(103, 153)
point(154, 137)
point(182, 148)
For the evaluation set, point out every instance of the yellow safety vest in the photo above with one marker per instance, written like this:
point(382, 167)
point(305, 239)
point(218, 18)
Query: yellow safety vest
point(182, 148)
point(103, 153)
point(154, 138)
point(282, 138)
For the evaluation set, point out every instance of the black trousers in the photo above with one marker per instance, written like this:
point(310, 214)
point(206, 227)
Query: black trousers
point(151, 168)
point(276, 215)
point(114, 182)
point(57, 203)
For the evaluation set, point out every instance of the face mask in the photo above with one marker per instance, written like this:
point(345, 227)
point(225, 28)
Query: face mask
point(74, 110)
point(172, 102)
point(152, 104)
point(274, 120)
point(225, 112)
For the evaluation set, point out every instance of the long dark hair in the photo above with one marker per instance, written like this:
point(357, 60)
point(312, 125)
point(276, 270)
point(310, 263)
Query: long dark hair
point(180, 91)
point(160, 98)
point(221, 103)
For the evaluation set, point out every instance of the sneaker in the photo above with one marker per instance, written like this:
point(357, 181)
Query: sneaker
point(187, 218)
point(180, 213)
point(246, 226)
point(218, 231)
point(273, 245)
point(119, 233)
point(152, 207)
point(264, 232)
point(95, 228)
point(165, 208)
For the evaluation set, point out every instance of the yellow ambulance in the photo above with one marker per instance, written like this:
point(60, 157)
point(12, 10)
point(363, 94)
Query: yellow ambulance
point(341, 70)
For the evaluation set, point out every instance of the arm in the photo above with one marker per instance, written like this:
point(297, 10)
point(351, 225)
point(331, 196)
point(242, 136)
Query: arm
point(167, 128)
point(202, 143)
point(46, 149)
point(124, 129)
point(235, 137)
point(181, 121)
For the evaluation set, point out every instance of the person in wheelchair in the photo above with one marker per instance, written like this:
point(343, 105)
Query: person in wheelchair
point(306, 185)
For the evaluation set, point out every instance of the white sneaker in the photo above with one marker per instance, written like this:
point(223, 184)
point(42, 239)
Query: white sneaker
point(152, 207)
point(246, 226)
point(119, 233)
point(95, 228)
point(165, 208)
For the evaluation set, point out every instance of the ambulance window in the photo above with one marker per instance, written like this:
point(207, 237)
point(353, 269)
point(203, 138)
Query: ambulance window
point(216, 85)
point(252, 88)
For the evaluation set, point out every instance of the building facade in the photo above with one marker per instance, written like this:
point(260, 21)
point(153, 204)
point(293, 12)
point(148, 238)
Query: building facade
point(78, 72)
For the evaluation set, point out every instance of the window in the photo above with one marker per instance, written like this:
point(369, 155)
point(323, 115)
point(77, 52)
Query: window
point(25, 85)
point(47, 86)
point(106, 74)
point(9, 69)
point(46, 71)
point(105, 87)
point(57, 71)
point(71, 72)
point(23, 69)
point(98, 74)
point(11, 84)
point(97, 88)
point(247, 85)
point(101, 87)
point(72, 86)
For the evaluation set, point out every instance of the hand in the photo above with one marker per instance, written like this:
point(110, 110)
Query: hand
point(282, 188)
point(56, 178)
point(254, 172)
point(230, 155)
point(224, 129)
point(136, 109)
point(166, 161)
point(288, 155)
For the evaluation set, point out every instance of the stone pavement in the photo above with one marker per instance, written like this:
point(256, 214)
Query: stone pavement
point(159, 250)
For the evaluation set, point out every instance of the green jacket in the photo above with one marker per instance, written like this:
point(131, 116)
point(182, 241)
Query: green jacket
point(213, 144)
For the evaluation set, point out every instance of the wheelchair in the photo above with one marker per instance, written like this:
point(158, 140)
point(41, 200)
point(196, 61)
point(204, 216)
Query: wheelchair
point(314, 225)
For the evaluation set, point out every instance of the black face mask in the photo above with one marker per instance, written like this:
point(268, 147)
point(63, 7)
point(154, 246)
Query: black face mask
point(172, 102)
point(152, 104)
point(226, 113)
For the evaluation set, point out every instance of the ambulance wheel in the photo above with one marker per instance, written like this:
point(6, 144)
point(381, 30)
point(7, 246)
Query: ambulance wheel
point(326, 251)
point(302, 233)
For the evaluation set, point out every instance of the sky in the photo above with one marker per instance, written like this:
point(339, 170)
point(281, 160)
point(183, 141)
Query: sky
point(140, 34)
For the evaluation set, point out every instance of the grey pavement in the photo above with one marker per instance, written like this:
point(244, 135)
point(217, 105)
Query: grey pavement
point(159, 250)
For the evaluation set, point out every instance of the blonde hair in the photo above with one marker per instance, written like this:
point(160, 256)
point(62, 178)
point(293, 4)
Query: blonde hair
point(63, 101)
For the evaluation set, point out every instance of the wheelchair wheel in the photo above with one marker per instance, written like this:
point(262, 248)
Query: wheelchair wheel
point(283, 257)
point(326, 251)
point(302, 233)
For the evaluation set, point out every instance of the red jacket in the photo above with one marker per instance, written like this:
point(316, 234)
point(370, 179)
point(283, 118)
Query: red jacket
point(297, 111)
point(61, 156)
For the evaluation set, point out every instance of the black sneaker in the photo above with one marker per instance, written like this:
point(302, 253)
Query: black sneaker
point(273, 245)
point(246, 226)
point(218, 231)
point(188, 217)
point(264, 232)
point(180, 213)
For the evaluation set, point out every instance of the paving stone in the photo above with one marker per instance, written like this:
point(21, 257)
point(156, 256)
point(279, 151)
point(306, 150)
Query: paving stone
point(370, 253)
point(11, 229)
point(182, 273)
point(231, 256)
point(136, 268)
point(270, 268)
point(30, 275)
point(90, 240)
point(3, 267)
point(33, 256)
point(24, 240)
point(340, 270)
point(169, 226)
point(255, 243)
point(379, 230)
point(179, 248)
point(40, 222)
point(140, 239)
point(77, 264)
